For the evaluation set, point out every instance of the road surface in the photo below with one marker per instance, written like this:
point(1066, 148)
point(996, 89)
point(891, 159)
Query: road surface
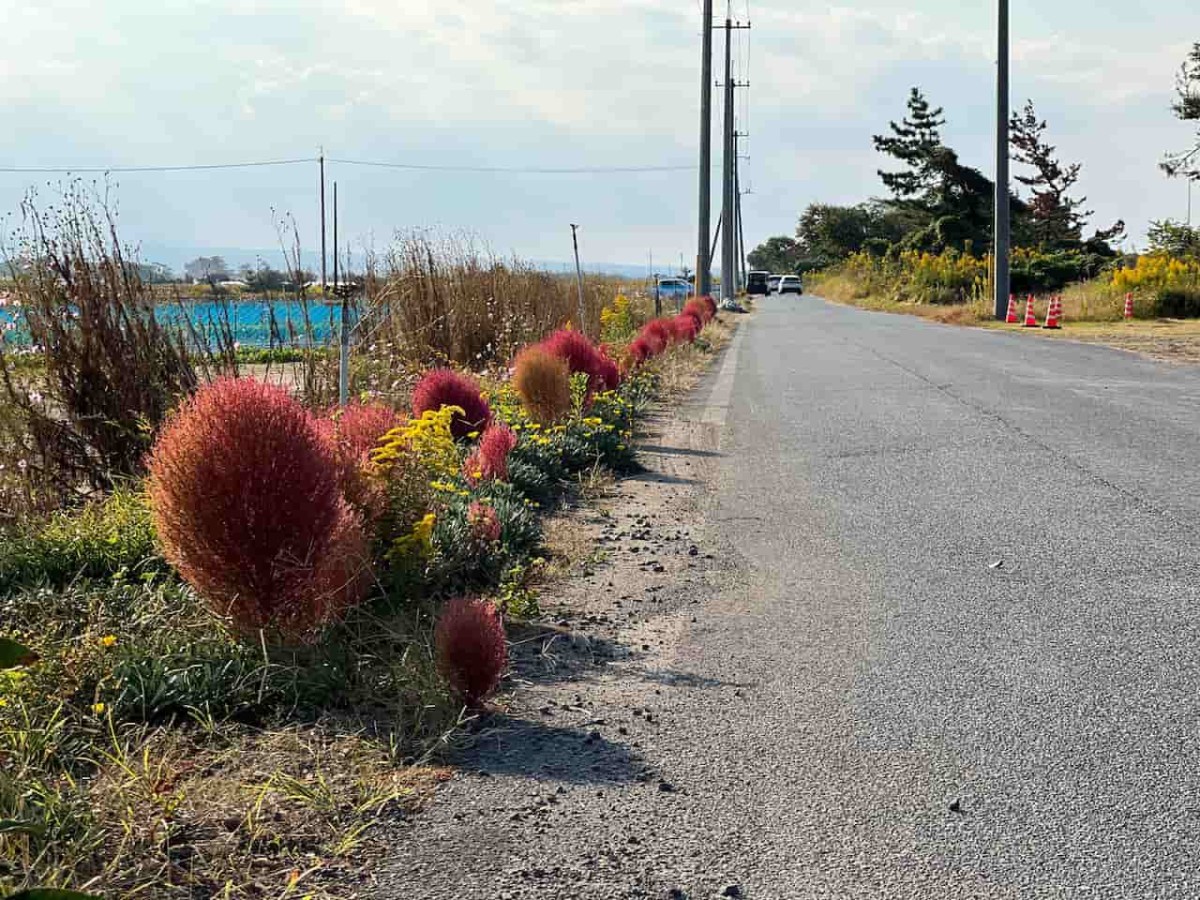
point(955, 651)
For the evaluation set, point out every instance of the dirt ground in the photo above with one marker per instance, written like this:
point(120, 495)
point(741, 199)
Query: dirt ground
point(1171, 340)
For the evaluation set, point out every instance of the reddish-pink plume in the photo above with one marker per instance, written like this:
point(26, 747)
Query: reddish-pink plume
point(445, 387)
point(472, 652)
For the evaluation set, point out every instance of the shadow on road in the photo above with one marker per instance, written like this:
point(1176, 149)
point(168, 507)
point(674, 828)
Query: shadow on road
point(660, 478)
point(508, 746)
point(677, 451)
point(670, 678)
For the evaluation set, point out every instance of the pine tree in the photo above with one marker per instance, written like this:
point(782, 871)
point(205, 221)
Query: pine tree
point(1186, 164)
point(913, 142)
point(1057, 218)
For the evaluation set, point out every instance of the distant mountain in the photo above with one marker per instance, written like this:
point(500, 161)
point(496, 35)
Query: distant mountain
point(175, 257)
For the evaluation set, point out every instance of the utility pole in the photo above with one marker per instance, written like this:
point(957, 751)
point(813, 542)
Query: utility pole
point(737, 190)
point(342, 291)
point(321, 160)
point(579, 278)
point(1000, 280)
point(728, 274)
point(703, 255)
point(657, 297)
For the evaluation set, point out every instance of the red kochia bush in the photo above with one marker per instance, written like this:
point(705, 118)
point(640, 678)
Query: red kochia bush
point(471, 649)
point(484, 523)
point(445, 387)
point(639, 351)
point(699, 309)
point(353, 431)
point(607, 370)
point(246, 502)
point(490, 459)
point(581, 355)
point(685, 327)
point(711, 304)
point(657, 334)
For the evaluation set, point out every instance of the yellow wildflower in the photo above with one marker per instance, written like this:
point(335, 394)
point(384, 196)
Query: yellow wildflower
point(109, 640)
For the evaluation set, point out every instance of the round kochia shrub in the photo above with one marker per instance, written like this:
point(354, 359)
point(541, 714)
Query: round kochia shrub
point(543, 382)
point(607, 371)
point(657, 334)
point(247, 505)
point(489, 462)
point(697, 307)
point(353, 432)
point(445, 387)
point(579, 353)
point(685, 327)
point(471, 649)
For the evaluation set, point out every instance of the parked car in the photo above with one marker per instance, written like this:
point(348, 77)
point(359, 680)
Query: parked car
point(790, 284)
point(773, 284)
point(756, 282)
point(674, 289)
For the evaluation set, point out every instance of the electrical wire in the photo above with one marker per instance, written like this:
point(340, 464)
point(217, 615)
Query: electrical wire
point(80, 170)
point(531, 170)
point(519, 170)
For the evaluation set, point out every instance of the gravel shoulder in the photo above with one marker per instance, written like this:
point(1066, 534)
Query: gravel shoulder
point(584, 786)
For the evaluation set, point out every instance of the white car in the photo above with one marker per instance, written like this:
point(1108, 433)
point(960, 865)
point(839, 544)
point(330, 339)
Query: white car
point(790, 284)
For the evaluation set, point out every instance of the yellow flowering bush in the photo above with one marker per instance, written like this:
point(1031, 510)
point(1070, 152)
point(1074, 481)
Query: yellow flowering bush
point(618, 323)
point(1155, 271)
point(427, 440)
point(920, 277)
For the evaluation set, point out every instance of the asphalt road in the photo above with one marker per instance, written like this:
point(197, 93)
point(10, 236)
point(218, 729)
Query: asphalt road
point(956, 651)
point(978, 557)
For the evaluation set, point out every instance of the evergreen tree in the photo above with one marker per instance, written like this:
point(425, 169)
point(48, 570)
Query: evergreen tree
point(913, 142)
point(1056, 219)
point(1186, 164)
point(949, 204)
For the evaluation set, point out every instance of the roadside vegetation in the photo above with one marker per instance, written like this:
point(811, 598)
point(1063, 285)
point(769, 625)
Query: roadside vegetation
point(241, 624)
point(925, 248)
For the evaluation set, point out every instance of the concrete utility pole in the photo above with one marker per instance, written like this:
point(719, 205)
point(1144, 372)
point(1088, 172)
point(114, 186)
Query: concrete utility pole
point(1000, 281)
point(729, 238)
point(703, 259)
point(579, 278)
point(321, 160)
point(741, 233)
point(340, 290)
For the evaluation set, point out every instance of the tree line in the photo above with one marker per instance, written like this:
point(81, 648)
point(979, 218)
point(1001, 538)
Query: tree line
point(936, 203)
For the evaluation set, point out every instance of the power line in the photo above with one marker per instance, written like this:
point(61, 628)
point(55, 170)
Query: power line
point(31, 170)
point(519, 170)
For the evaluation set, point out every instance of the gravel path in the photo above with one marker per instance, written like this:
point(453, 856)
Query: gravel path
point(946, 644)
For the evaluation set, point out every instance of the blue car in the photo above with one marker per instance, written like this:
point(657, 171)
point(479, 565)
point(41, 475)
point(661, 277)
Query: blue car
point(674, 289)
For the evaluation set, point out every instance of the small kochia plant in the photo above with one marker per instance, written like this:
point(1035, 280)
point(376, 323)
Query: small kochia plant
point(471, 648)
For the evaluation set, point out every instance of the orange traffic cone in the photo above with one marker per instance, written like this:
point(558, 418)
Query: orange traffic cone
point(1053, 313)
point(1129, 306)
point(1030, 318)
point(1011, 318)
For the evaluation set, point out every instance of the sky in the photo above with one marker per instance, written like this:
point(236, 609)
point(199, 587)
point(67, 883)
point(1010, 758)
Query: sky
point(554, 84)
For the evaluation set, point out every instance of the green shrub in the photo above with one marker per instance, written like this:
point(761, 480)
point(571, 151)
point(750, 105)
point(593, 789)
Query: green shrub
point(1177, 303)
point(97, 541)
point(462, 562)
